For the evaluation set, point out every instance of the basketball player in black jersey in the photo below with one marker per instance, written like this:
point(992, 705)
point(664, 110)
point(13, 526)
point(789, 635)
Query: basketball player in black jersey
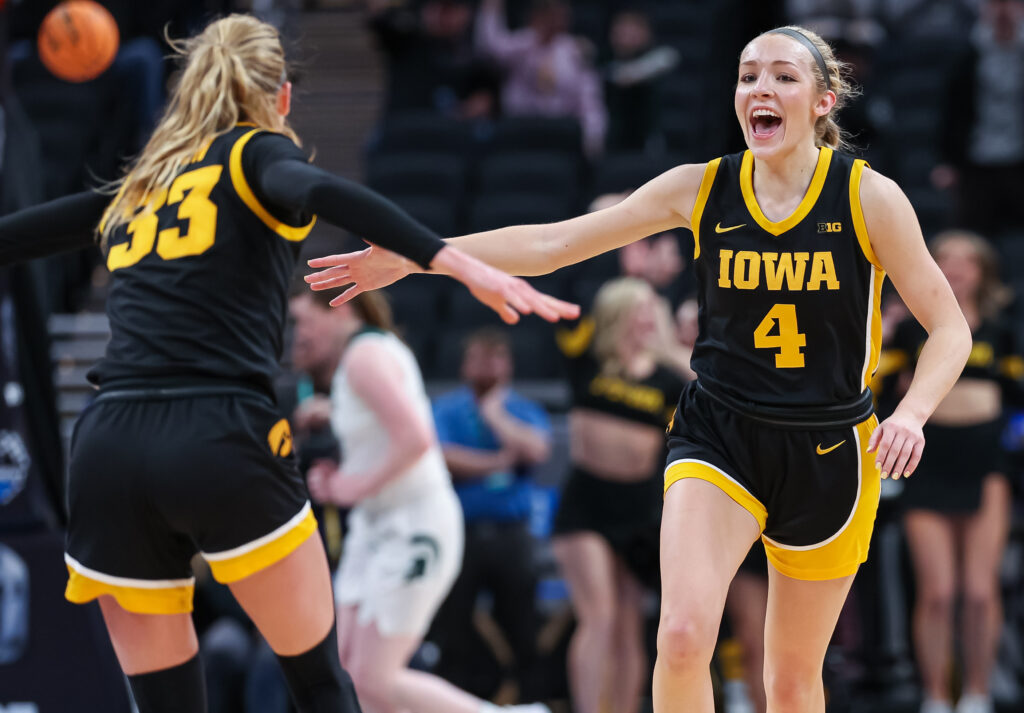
point(777, 437)
point(184, 449)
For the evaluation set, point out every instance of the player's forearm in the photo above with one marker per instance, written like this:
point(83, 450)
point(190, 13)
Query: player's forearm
point(939, 365)
point(518, 250)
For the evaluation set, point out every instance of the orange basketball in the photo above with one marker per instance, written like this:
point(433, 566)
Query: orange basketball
point(78, 40)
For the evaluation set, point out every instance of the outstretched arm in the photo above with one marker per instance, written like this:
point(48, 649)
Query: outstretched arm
point(660, 205)
point(899, 246)
point(50, 228)
point(281, 175)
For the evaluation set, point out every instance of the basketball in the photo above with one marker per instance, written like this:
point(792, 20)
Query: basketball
point(78, 40)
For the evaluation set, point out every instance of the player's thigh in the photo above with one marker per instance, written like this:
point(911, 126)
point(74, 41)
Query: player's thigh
point(290, 601)
point(148, 642)
point(705, 535)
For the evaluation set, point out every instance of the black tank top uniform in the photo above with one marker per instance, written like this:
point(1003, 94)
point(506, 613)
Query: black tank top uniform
point(957, 459)
point(789, 338)
point(184, 449)
point(626, 514)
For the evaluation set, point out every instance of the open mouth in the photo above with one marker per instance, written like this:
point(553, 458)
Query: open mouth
point(764, 123)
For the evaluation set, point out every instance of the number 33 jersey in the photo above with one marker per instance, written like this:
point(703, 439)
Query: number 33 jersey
point(200, 275)
point(789, 310)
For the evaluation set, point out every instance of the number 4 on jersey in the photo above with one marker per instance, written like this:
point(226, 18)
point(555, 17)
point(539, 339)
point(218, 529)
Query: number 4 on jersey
point(788, 340)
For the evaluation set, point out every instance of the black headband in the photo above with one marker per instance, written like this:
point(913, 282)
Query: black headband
point(806, 42)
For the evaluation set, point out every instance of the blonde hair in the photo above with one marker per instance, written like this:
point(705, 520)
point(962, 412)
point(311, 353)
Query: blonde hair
point(827, 131)
point(232, 72)
point(992, 294)
point(613, 306)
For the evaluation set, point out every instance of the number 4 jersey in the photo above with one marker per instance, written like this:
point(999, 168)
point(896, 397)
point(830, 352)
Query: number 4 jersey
point(789, 310)
point(199, 277)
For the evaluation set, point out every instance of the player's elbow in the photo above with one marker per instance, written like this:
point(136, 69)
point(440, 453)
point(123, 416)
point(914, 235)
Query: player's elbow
point(963, 338)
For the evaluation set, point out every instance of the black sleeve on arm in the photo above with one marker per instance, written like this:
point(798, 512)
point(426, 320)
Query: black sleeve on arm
point(53, 227)
point(283, 178)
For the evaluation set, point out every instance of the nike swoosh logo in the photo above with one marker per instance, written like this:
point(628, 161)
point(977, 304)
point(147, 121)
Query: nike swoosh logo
point(822, 451)
point(720, 229)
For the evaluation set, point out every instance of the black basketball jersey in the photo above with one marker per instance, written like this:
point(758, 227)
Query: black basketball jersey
point(789, 311)
point(200, 276)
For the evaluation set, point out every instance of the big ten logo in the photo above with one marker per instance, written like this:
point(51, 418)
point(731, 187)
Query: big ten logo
point(830, 227)
point(19, 707)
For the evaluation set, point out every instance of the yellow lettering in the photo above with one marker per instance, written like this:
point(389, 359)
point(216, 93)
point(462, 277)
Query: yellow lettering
point(724, 258)
point(822, 270)
point(747, 272)
point(786, 270)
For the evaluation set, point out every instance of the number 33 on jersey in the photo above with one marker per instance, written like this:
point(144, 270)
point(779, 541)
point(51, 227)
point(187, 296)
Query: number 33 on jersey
point(789, 310)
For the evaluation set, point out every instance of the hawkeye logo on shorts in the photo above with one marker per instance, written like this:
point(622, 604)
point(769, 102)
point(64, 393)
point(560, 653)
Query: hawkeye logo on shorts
point(280, 439)
point(822, 451)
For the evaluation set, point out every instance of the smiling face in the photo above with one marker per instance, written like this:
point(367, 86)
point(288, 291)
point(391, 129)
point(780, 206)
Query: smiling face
point(778, 97)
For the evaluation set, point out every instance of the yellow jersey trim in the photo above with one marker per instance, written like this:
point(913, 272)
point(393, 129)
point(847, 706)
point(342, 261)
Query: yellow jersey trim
point(705, 471)
point(702, 198)
point(808, 201)
point(859, 226)
point(288, 232)
point(82, 588)
point(230, 567)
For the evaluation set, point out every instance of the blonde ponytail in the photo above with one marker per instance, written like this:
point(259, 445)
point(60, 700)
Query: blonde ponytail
point(233, 71)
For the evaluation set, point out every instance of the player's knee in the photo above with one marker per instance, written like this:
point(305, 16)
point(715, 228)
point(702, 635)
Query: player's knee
point(792, 686)
point(686, 640)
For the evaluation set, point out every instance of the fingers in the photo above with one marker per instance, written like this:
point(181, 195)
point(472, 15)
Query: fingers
point(324, 274)
point(900, 463)
point(337, 278)
point(915, 458)
point(346, 295)
point(332, 260)
point(898, 448)
point(873, 441)
point(882, 448)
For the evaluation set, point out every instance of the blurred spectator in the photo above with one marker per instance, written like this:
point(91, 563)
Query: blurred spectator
point(432, 65)
point(958, 501)
point(626, 371)
point(983, 141)
point(658, 261)
point(491, 437)
point(548, 73)
point(632, 80)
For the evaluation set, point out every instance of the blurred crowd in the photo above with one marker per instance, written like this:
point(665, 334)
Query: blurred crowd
point(510, 111)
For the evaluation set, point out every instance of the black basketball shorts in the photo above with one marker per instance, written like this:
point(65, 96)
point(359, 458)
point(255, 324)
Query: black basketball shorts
point(814, 493)
point(155, 480)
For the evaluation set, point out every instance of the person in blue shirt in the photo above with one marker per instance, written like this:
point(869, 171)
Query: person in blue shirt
point(491, 438)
